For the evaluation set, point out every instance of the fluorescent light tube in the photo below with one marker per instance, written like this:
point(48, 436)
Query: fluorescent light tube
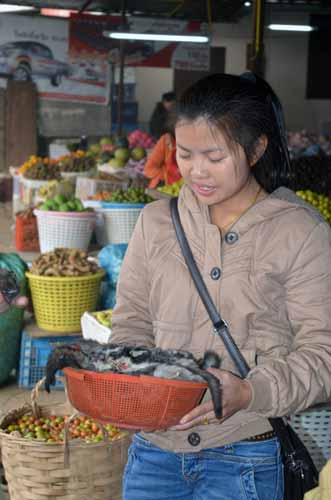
point(7, 7)
point(290, 27)
point(65, 12)
point(156, 37)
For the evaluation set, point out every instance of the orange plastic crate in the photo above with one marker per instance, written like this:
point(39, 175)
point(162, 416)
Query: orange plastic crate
point(26, 234)
point(134, 402)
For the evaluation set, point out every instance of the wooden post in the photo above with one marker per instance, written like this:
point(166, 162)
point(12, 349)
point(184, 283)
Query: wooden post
point(21, 122)
point(121, 79)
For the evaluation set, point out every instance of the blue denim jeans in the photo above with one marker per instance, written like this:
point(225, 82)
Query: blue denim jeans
point(241, 471)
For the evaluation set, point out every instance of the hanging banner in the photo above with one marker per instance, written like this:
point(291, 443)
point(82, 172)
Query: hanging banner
point(36, 48)
point(87, 39)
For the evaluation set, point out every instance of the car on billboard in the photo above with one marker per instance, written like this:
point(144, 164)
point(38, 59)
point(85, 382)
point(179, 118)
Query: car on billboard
point(26, 60)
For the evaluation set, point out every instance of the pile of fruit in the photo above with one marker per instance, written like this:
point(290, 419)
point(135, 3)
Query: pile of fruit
point(64, 262)
point(172, 189)
point(104, 317)
point(78, 161)
point(304, 142)
point(130, 195)
point(62, 203)
point(319, 201)
point(116, 152)
point(101, 196)
point(51, 429)
point(41, 169)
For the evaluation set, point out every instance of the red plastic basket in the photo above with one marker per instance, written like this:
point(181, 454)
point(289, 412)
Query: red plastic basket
point(26, 234)
point(134, 402)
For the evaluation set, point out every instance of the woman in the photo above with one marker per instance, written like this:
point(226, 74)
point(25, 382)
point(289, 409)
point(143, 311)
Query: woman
point(265, 257)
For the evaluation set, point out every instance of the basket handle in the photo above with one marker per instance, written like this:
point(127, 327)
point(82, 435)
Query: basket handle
point(35, 393)
point(66, 437)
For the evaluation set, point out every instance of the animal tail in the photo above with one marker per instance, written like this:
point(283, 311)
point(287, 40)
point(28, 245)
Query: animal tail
point(58, 359)
point(215, 388)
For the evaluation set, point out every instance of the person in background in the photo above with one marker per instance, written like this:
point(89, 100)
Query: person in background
point(265, 256)
point(158, 124)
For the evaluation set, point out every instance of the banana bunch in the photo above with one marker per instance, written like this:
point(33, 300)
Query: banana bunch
point(53, 188)
point(104, 317)
point(48, 190)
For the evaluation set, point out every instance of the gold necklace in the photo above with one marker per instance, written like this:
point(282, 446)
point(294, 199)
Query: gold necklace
point(232, 221)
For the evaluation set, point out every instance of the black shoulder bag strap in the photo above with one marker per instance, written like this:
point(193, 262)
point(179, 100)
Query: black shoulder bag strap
point(221, 329)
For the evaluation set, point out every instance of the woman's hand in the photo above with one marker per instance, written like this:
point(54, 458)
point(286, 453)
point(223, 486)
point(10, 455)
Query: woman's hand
point(236, 395)
point(21, 302)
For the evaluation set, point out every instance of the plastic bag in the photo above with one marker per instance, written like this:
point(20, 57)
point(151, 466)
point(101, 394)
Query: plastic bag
point(11, 321)
point(110, 259)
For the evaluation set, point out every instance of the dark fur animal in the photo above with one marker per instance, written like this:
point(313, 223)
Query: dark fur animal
point(136, 360)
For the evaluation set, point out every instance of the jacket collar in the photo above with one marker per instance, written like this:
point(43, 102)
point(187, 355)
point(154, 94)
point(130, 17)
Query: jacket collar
point(196, 219)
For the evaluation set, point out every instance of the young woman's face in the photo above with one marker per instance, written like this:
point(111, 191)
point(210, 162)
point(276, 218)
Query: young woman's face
point(215, 172)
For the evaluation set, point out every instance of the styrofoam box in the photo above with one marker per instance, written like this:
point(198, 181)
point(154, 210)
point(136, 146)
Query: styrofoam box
point(93, 330)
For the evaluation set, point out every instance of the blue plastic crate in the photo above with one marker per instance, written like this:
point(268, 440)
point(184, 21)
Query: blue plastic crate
point(33, 359)
point(129, 92)
point(126, 127)
point(129, 112)
point(123, 206)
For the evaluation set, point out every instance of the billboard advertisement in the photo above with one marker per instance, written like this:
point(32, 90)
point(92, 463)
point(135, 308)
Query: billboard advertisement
point(87, 40)
point(36, 48)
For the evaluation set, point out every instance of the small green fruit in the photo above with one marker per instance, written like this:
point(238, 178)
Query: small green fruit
point(59, 199)
point(122, 154)
point(105, 140)
point(116, 163)
point(138, 153)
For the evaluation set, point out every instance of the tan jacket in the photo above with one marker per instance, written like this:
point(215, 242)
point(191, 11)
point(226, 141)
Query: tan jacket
point(274, 291)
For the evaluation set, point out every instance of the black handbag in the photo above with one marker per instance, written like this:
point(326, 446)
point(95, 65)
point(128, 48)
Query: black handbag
point(300, 473)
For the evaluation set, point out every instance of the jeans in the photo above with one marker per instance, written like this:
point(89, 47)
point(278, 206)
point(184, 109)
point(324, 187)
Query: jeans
point(244, 470)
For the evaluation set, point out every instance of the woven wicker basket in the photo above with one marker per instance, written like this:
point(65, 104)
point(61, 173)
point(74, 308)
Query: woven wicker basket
point(37, 470)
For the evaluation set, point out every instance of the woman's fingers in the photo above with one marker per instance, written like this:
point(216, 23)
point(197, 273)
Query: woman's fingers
point(191, 420)
point(198, 412)
point(236, 395)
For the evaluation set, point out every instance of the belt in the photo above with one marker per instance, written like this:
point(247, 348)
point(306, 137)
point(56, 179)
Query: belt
point(262, 437)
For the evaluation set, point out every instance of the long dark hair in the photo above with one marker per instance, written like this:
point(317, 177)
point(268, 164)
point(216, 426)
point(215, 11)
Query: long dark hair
point(244, 108)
